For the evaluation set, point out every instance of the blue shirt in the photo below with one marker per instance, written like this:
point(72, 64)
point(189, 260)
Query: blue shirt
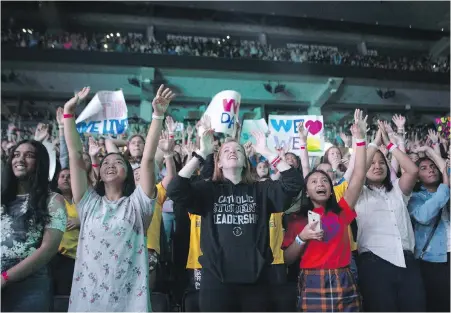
point(424, 208)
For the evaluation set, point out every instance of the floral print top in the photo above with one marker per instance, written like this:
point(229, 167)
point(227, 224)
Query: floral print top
point(111, 269)
point(17, 243)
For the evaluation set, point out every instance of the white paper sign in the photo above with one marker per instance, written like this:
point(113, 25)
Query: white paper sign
point(223, 111)
point(284, 129)
point(105, 114)
point(250, 126)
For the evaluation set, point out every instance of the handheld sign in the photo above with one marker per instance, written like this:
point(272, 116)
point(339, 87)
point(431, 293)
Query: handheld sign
point(284, 129)
point(223, 111)
point(105, 114)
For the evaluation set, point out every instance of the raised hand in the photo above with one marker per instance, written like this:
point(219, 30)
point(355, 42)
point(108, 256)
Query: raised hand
point(433, 135)
point(204, 124)
point(388, 128)
point(69, 107)
point(206, 142)
point(94, 148)
point(303, 133)
point(248, 149)
point(171, 126)
point(383, 133)
point(260, 146)
point(161, 101)
point(399, 121)
point(360, 120)
point(190, 130)
point(346, 139)
point(358, 130)
point(42, 132)
point(166, 144)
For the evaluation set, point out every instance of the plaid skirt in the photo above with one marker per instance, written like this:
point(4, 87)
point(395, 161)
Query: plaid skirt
point(325, 290)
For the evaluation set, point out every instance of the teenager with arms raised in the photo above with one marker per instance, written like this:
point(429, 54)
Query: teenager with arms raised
point(325, 281)
point(111, 269)
point(389, 275)
point(33, 221)
point(235, 223)
point(429, 210)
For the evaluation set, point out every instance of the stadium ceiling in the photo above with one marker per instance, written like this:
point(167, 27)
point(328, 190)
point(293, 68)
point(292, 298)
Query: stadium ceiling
point(426, 15)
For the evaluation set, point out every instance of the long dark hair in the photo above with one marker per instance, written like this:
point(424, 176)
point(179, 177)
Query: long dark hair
point(38, 181)
point(387, 180)
point(129, 183)
point(307, 204)
point(419, 183)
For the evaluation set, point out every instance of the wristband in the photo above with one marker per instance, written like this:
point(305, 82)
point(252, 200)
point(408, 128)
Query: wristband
point(391, 146)
point(302, 147)
point(171, 135)
point(372, 144)
point(299, 241)
point(5, 275)
point(95, 165)
point(434, 143)
point(360, 144)
point(158, 117)
point(275, 161)
point(68, 115)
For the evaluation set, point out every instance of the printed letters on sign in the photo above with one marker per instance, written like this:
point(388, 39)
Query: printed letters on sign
point(284, 131)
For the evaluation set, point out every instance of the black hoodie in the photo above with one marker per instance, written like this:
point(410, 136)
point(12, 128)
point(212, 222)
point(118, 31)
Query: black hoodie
point(235, 221)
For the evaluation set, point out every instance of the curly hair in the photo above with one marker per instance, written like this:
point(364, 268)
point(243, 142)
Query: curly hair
point(39, 185)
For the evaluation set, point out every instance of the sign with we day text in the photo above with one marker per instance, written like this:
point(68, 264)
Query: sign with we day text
point(105, 114)
point(284, 129)
point(223, 111)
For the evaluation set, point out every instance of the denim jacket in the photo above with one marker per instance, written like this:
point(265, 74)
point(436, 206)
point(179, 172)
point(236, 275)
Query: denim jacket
point(424, 207)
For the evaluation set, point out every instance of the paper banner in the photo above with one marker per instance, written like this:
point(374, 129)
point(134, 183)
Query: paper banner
point(179, 127)
point(52, 158)
point(223, 111)
point(106, 113)
point(284, 129)
point(250, 126)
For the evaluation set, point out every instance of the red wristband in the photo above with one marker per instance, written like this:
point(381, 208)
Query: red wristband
point(5, 275)
point(389, 146)
point(302, 147)
point(276, 161)
point(171, 136)
point(68, 115)
point(95, 165)
point(360, 144)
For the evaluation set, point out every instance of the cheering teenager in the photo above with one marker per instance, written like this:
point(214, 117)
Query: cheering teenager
point(33, 221)
point(111, 270)
point(235, 214)
point(326, 283)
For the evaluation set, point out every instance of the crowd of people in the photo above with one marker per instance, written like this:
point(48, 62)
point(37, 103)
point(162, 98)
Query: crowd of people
point(227, 48)
point(221, 226)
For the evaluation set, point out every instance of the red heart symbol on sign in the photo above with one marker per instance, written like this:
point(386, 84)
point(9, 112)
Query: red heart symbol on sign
point(315, 127)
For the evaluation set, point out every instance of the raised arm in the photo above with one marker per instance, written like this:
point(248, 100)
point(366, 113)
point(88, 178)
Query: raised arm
point(78, 175)
point(94, 150)
point(166, 145)
point(409, 177)
point(112, 145)
point(64, 154)
point(303, 155)
point(357, 180)
point(160, 104)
